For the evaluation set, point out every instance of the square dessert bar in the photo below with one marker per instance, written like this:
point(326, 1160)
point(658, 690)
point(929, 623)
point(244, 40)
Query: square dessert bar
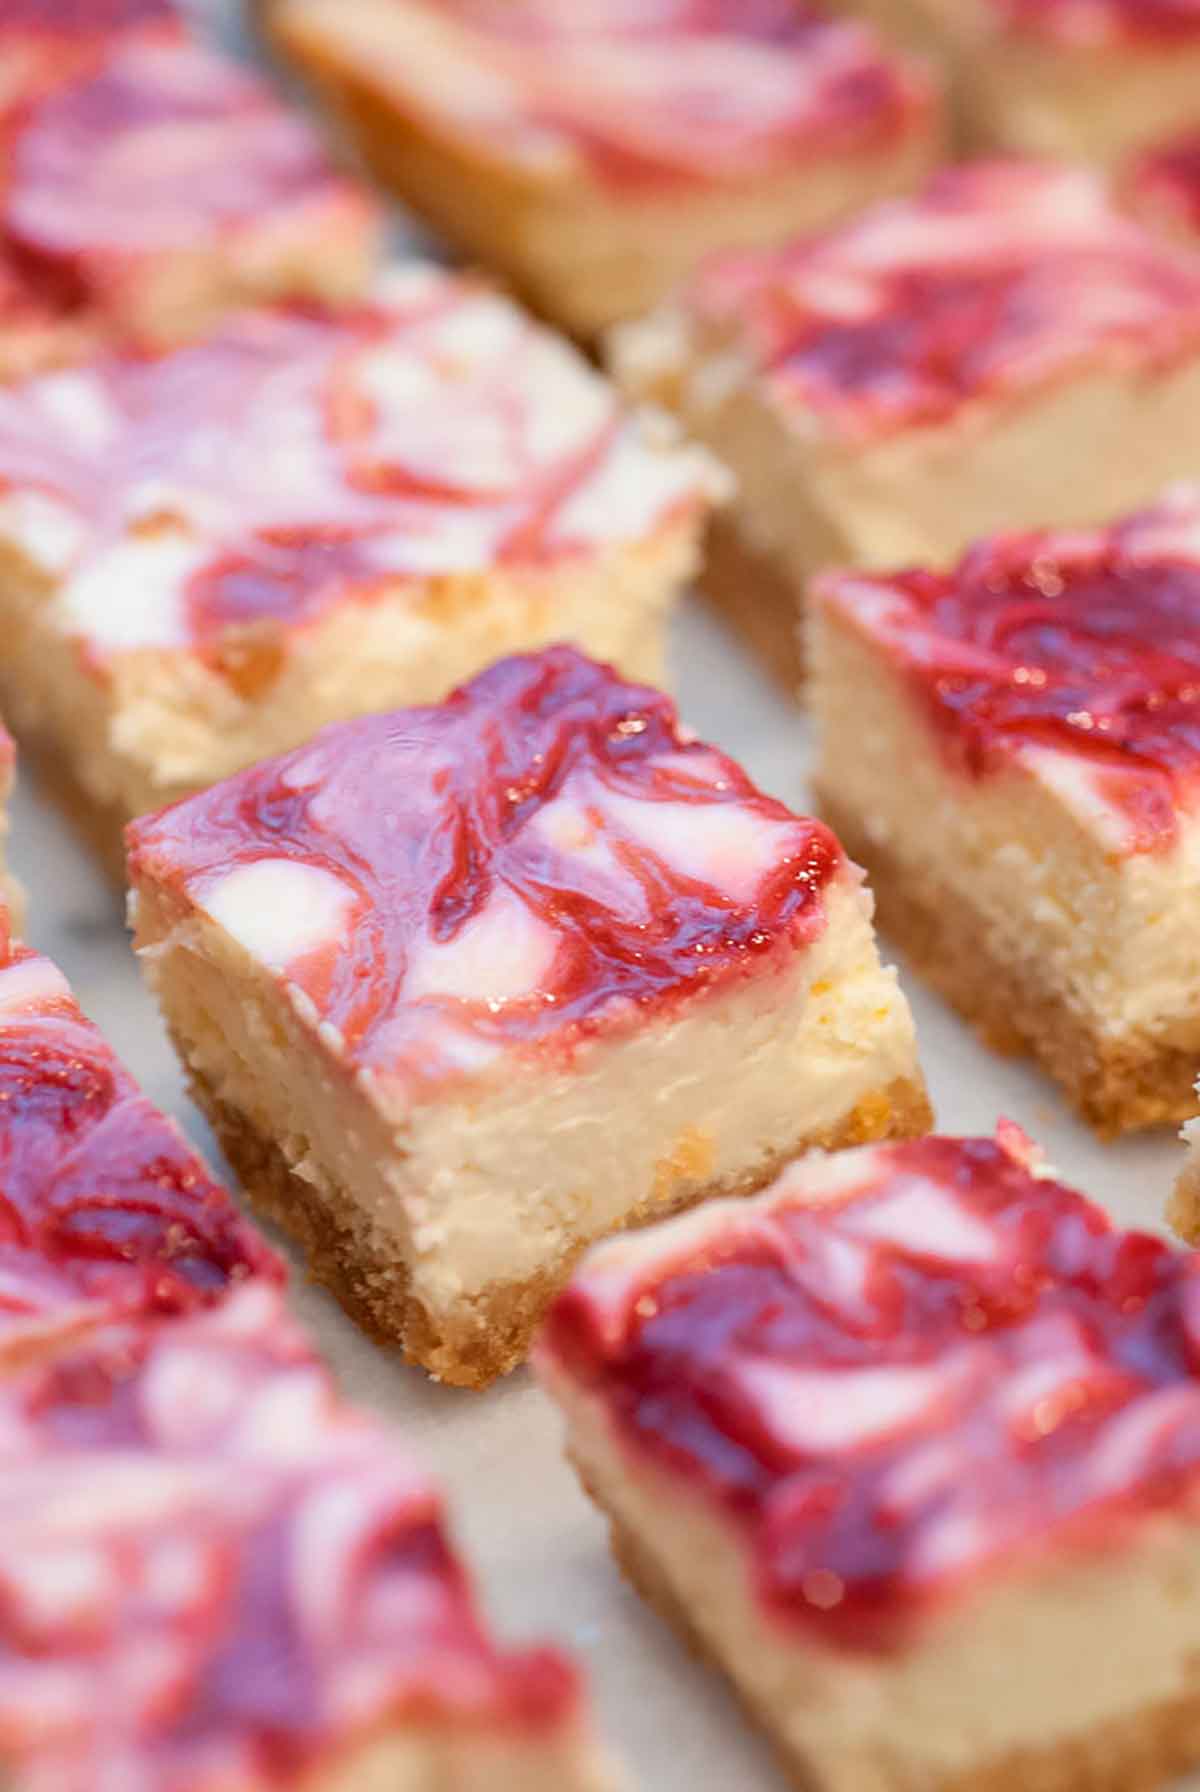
point(1087, 80)
point(206, 554)
point(1040, 857)
point(465, 988)
point(910, 1446)
point(214, 1577)
point(159, 185)
point(1003, 350)
point(106, 1213)
point(596, 153)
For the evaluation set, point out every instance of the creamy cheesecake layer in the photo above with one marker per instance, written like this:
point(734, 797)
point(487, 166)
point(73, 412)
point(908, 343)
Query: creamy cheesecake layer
point(1033, 852)
point(888, 392)
point(895, 1440)
point(510, 1180)
point(558, 145)
point(526, 966)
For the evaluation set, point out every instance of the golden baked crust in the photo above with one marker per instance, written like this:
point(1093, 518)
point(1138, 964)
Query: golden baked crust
point(1130, 1754)
point(1117, 1085)
point(493, 1332)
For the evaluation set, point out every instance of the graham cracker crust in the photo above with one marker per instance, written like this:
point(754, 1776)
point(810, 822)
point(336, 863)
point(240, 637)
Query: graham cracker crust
point(1129, 1754)
point(1116, 1085)
point(489, 1334)
point(754, 591)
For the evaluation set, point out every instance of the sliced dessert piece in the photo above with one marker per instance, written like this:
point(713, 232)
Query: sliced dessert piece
point(1006, 349)
point(1088, 80)
point(164, 184)
point(105, 1210)
point(213, 1576)
point(1040, 857)
point(595, 154)
point(206, 554)
point(910, 1445)
point(464, 988)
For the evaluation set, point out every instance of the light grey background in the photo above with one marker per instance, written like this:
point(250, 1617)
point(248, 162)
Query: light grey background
point(539, 1549)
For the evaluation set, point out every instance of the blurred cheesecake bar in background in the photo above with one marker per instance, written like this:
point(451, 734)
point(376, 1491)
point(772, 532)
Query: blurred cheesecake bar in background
point(1039, 859)
point(106, 1213)
point(910, 1446)
point(1003, 350)
point(1087, 80)
point(595, 152)
point(213, 1575)
point(206, 554)
point(154, 188)
point(463, 989)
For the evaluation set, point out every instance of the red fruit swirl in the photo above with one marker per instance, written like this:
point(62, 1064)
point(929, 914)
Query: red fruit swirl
point(1087, 643)
point(104, 1208)
point(544, 853)
point(952, 1365)
point(252, 1580)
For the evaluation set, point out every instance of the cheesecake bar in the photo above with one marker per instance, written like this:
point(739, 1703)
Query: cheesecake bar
point(1003, 350)
point(1040, 858)
point(1087, 80)
point(163, 184)
point(910, 1446)
point(594, 154)
point(214, 1577)
point(207, 553)
point(106, 1213)
point(464, 988)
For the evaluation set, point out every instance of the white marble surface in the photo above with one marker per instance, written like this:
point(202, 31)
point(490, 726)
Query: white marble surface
point(539, 1549)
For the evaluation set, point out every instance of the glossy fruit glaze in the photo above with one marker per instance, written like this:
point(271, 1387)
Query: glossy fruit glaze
point(105, 1210)
point(899, 1371)
point(675, 91)
point(213, 1574)
point(1001, 277)
point(1085, 644)
point(544, 854)
point(297, 458)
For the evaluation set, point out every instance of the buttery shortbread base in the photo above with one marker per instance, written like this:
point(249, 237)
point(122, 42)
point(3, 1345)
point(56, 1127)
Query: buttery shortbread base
point(1118, 1084)
point(929, 1717)
point(453, 1759)
point(493, 1330)
point(165, 723)
point(754, 592)
point(583, 256)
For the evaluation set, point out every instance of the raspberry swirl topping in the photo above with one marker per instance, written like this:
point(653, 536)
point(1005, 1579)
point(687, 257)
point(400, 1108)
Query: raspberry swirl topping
point(543, 855)
point(1000, 278)
point(673, 91)
point(157, 147)
point(212, 1574)
point(294, 459)
point(900, 1368)
point(1076, 653)
point(1163, 184)
point(104, 1209)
